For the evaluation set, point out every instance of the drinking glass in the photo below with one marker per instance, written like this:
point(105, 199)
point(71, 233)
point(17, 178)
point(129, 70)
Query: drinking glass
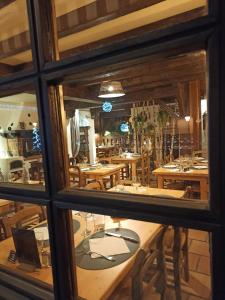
point(88, 218)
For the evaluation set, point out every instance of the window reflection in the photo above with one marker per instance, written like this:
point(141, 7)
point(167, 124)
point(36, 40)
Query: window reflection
point(139, 260)
point(141, 127)
point(82, 23)
point(15, 46)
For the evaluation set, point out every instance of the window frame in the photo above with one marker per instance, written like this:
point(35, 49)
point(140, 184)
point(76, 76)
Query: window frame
point(45, 73)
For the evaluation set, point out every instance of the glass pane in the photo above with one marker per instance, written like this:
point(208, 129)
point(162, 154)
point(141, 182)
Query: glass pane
point(24, 246)
point(20, 142)
point(15, 46)
point(129, 259)
point(141, 127)
point(85, 25)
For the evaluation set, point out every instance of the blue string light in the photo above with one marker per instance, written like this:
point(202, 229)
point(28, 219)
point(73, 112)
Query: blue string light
point(36, 139)
point(107, 106)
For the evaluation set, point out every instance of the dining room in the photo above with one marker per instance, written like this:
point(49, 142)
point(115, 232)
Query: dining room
point(141, 126)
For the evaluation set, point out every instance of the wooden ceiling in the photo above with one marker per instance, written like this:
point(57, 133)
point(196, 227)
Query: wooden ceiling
point(158, 77)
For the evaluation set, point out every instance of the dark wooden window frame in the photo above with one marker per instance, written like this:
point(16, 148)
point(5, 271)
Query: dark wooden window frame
point(48, 73)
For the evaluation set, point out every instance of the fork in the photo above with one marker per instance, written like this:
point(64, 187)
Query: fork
point(104, 256)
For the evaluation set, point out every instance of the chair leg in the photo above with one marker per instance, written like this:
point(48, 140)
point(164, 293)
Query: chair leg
point(177, 276)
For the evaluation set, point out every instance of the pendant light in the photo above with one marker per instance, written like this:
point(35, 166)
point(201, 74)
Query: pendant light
point(111, 89)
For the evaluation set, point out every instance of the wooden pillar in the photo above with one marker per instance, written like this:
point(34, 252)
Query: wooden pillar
point(194, 108)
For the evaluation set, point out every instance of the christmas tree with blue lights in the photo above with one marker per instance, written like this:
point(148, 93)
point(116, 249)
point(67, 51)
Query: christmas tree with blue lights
point(36, 139)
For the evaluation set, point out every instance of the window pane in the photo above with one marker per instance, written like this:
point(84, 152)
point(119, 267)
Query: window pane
point(147, 265)
point(24, 247)
point(94, 23)
point(15, 47)
point(20, 142)
point(152, 139)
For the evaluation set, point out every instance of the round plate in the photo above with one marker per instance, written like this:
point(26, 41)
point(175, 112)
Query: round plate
point(170, 166)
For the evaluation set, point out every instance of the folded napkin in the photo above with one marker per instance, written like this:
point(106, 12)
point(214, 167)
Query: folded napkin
point(108, 245)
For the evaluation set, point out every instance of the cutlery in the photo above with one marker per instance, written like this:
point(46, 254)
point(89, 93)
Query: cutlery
point(104, 256)
point(121, 236)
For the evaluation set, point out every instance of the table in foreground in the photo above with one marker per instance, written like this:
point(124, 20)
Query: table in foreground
point(200, 176)
point(92, 284)
point(148, 191)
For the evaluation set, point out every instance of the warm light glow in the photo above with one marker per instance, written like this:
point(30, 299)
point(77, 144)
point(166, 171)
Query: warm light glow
point(187, 118)
point(110, 89)
point(35, 124)
point(113, 95)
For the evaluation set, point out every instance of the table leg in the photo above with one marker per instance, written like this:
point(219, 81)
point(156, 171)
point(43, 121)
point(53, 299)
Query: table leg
point(204, 189)
point(133, 170)
point(160, 181)
point(111, 181)
point(117, 178)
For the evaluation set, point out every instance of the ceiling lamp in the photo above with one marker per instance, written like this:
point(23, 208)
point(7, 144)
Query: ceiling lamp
point(111, 89)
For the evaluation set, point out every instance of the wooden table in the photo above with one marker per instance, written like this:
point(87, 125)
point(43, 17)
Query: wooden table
point(200, 176)
point(109, 170)
point(92, 284)
point(5, 206)
point(149, 191)
point(131, 160)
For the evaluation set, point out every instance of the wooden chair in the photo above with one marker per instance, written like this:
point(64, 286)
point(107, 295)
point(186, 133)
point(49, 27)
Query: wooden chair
point(201, 153)
point(148, 273)
point(143, 172)
point(97, 185)
point(176, 257)
point(76, 177)
point(23, 215)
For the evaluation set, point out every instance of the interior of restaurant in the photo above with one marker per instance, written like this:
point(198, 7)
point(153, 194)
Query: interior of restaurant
point(141, 126)
point(135, 127)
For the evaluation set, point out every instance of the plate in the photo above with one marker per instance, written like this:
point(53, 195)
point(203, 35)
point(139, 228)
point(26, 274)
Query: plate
point(170, 166)
point(200, 167)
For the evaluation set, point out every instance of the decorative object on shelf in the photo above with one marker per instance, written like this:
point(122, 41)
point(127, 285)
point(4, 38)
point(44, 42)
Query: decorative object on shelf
point(107, 106)
point(36, 138)
point(111, 89)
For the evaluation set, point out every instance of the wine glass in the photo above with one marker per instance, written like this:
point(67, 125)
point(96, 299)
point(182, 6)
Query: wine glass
point(86, 217)
point(135, 183)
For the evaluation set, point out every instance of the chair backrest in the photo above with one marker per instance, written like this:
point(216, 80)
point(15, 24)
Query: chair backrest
point(202, 153)
point(97, 185)
point(151, 258)
point(19, 216)
point(76, 176)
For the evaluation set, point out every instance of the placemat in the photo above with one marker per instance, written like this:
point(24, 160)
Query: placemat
point(76, 226)
point(84, 260)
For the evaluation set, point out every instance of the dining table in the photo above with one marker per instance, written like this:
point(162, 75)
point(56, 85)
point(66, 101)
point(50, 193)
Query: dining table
point(101, 171)
point(5, 206)
point(148, 191)
point(197, 174)
point(128, 159)
point(92, 284)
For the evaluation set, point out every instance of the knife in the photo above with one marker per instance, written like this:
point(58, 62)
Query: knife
point(122, 236)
